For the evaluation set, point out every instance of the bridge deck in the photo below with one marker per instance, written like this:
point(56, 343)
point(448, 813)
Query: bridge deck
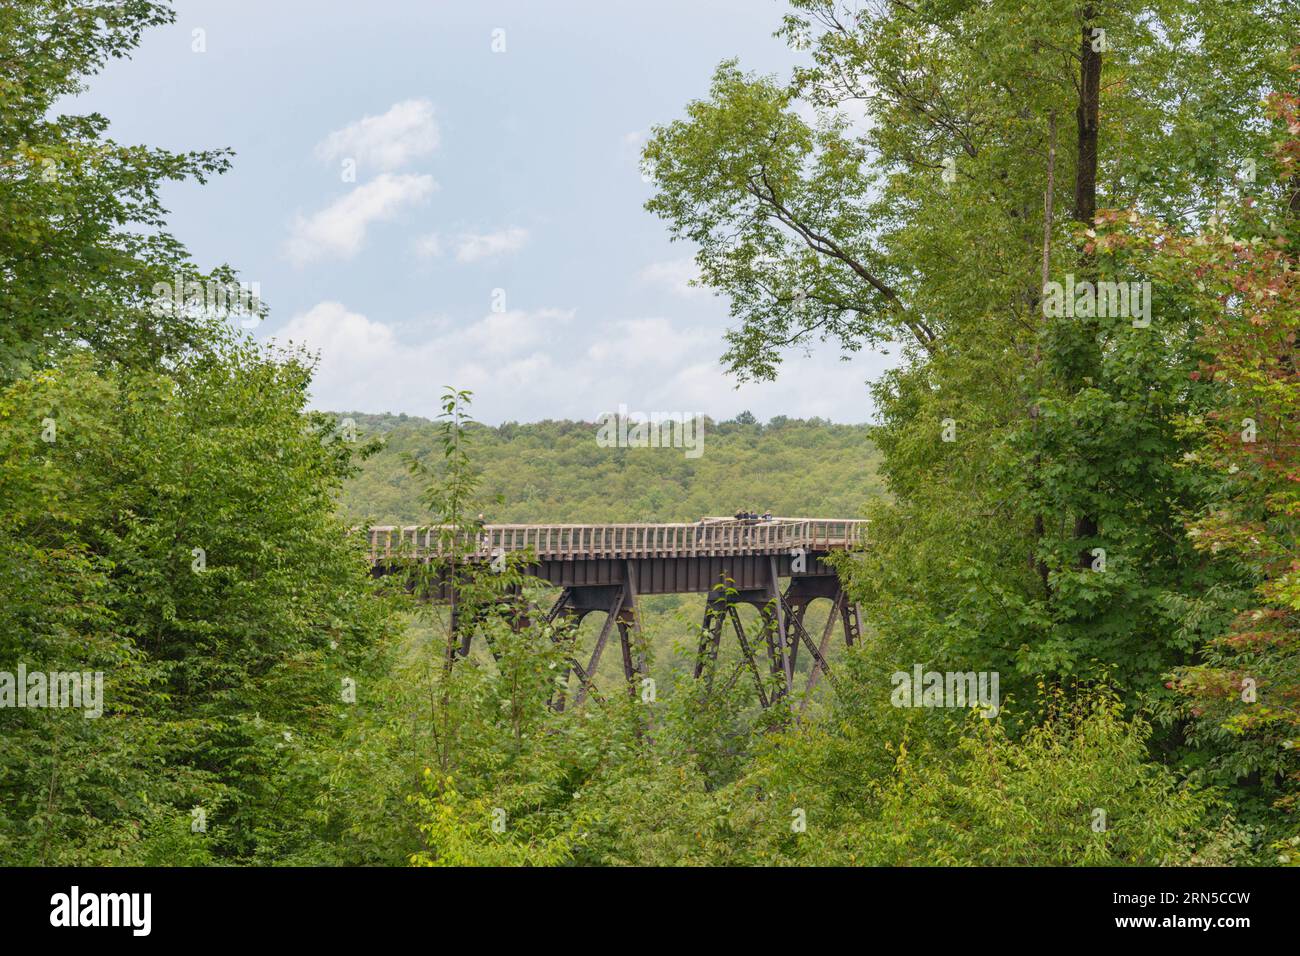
point(711, 537)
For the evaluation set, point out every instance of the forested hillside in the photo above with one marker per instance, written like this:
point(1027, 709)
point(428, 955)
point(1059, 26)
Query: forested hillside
point(555, 472)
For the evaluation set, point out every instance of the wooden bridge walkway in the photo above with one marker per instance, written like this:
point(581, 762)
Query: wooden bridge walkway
point(710, 537)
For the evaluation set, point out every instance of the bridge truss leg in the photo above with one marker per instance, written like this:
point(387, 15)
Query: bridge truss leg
point(798, 596)
point(715, 614)
point(794, 615)
point(749, 656)
point(819, 661)
point(635, 653)
point(558, 607)
point(611, 617)
point(618, 603)
point(779, 628)
point(722, 606)
point(852, 620)
point(783, 631)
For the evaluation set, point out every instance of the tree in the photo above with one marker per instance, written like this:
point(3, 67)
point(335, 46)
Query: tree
point(1240, 274)
point(85, 256)
point(933, 224)
point(176, 533)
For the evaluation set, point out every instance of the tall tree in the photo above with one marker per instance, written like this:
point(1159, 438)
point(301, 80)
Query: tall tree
point(1242, 696)
point(922, 224)
point(84, 249)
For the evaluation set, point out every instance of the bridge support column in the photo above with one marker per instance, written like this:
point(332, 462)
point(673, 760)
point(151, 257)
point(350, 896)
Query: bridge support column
point(719, 610)
point(716, 610)
point(801, 593)
point(635, 652)
point(749, 657)
point(721, 607)
point(819, 658)
point(611, 619)
point(780, 628)
point(852, 620)
point(618, 603)
point(783, 630)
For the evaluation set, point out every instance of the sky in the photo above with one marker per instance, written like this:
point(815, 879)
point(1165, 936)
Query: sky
point(448, 192)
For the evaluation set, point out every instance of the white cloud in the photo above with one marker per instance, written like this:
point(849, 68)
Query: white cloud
point(473, 246)
point(530, 365)
point(428, 246)
point(470, 246)
point(365, 366)
point(513, 330)
point(632, 343)
point(339, 229)
point(675, 276)
point(386, 142)
point(335, 331)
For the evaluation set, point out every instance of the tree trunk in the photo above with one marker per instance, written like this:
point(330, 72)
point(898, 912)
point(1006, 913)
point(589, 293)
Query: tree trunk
point(1085, 180)
point(1085, 184)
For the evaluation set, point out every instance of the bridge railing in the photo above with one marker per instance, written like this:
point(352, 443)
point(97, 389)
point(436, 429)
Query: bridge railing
point(571, 541)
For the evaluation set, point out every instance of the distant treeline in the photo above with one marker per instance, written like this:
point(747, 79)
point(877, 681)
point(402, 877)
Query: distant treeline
point(556, 471)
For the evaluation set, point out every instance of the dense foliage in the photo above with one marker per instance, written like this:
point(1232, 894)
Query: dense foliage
point(169, 511)
point(1055, 499)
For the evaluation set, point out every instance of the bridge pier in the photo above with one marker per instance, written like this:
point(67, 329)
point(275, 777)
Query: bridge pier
point(618, 603)
point(781, 629)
